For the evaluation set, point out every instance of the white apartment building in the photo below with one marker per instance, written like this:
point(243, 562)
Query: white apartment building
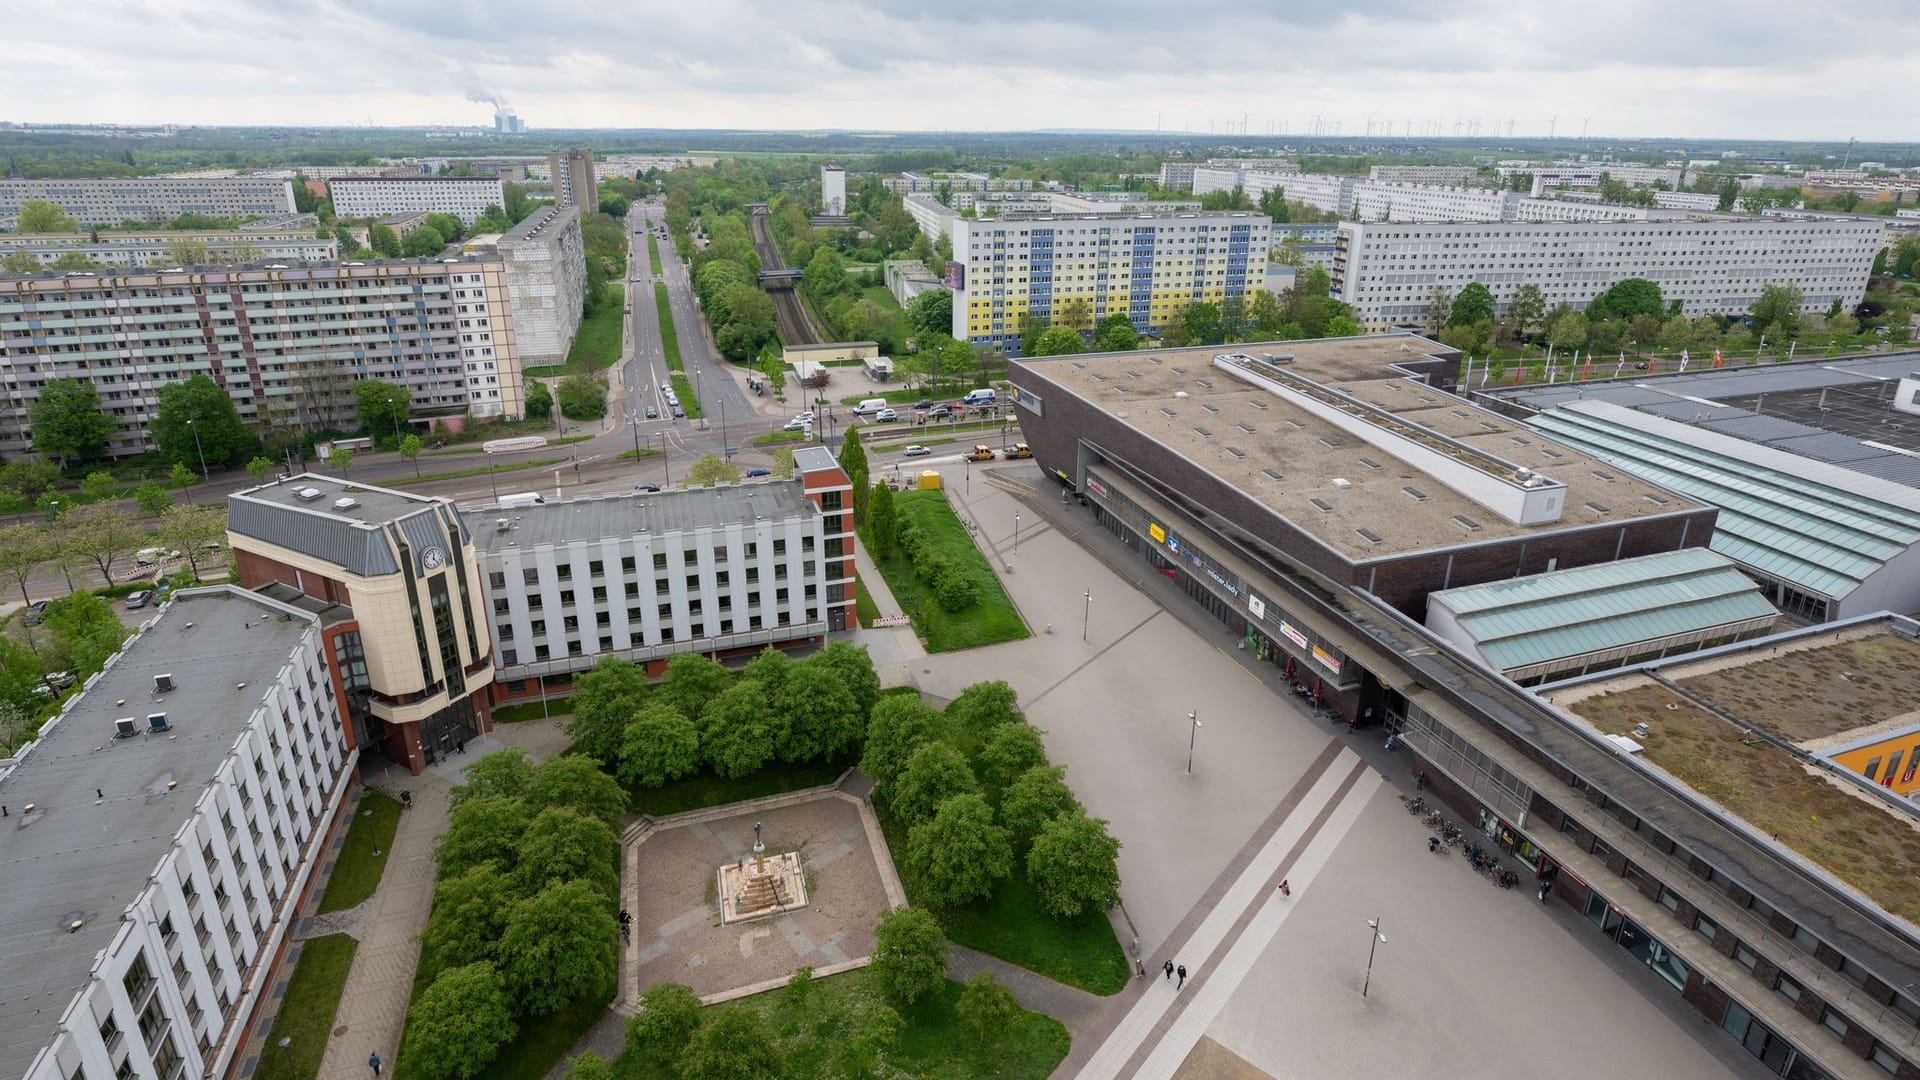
point(833, 190)
point(252, 243)
point(1279, 166)
point(934, 217)
point(287, 343)
point(645, 576)
point(1176, 176)
point(1149, 266)
point(161, 835)
point(987, 203)
point(546, 274)
point(1685, 200)
point(1443, 175)
point(465, 197)
point(1114, 202)
point(1382, 201)
point(1520, 208)
point(1588, 176)
point(1334, 194)
point(150, 199)
point(1389, 271)
point(911, 182)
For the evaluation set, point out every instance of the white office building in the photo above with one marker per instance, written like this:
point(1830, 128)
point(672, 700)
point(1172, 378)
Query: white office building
point(160, 837)
point(291, 240)
point(1443, 175)
point(465, 197)
point(833, 190)
point(151, 199)
point(1388, 271)
point(546, 275)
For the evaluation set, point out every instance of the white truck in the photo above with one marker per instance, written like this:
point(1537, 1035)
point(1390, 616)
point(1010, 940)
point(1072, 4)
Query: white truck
point(523, 498)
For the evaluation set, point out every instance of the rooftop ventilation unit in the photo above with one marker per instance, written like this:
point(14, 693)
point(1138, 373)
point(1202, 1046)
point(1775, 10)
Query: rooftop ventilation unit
point(1342, 483)
point(125, 728)
point(157, 721)
point(501, 524)
point(308, 494)
point(163, 683)
point(345, 502)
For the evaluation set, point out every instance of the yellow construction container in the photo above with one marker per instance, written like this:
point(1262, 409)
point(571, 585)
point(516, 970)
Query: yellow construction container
point(929, 480)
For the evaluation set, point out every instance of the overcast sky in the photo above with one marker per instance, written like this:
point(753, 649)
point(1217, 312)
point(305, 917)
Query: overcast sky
point(1704, 68)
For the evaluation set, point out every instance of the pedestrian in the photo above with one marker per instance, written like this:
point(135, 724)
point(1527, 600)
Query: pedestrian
point(1433, 843)
point(1169, 970)
point(1139, 968)
point(1390, 739)
point(1284, 890)
point(373, 1062)
point(1349, 727)
point(1545, 888)
point(1182, 969)
point(406, 800)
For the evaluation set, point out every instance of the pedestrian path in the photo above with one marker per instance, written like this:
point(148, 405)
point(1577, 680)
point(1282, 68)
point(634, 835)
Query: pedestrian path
point(1078, 1009)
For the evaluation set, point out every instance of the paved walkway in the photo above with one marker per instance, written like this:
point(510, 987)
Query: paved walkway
point(1072, 1006)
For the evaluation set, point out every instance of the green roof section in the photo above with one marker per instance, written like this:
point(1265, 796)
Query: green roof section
point(1533, 620)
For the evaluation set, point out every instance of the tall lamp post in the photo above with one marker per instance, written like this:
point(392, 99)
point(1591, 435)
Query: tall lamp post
point(1016, 532)
point(1374, 940)
point(1086, 613)
point(393, 407)
point(204, 478)
point(1193, 717)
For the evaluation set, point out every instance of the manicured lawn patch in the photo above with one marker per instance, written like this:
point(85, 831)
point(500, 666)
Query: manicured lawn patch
point(653, 254)
point(988, 620)
point(689, 401)
point(306, 1013)
point(775, 438)
point(357, 872)
point(881, 297)
point(1010, 924)
point(543, 1042)
point(597, 345)
point(863, 604)
point(669, 338)
point(705, 789)
point(531, 710)
point(514, 466)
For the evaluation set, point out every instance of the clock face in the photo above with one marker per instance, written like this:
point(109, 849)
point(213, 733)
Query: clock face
point(432, 558)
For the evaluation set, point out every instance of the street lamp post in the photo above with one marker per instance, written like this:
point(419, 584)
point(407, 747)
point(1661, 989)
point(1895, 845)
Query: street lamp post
point(492, 480)
point(666, 480)
point(1193, 717)
point(1374, 940)
point(393, 407)
point(1086, 613)
point(1016, 532)
point(204, 478)
point(633, 421)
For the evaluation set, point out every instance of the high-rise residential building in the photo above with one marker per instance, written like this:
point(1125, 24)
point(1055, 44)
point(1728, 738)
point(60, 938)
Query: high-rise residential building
point(465, 197)
point(934, 217)
point(290, 239)
point(151, 199)
point(1176, 176)
point(546, 274)
point(573, 179)
point(833, 190)
point(287, 343)
point(160, 837)
point(1388, 272)
point(1445, 175)
point(397, 584)
point(645, 576)
point(1150, 267)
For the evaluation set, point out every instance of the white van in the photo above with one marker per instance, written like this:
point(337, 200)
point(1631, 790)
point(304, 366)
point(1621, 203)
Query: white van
point(524, 498)
point(871, 405)
point(977, 398)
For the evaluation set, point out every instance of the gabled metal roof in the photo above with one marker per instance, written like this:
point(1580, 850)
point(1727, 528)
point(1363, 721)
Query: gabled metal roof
point(1569, 613)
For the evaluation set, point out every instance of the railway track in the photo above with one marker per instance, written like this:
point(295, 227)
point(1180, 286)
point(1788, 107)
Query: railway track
point(790, 317)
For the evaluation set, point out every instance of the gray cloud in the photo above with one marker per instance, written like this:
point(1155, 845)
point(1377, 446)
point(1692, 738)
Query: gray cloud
point(1694, 67)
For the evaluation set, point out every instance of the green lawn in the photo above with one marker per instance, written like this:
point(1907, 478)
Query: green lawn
point(989, 620)
point(531, 710)
point(775, 438)
point(653, 254)
point(514, 466)
point(705, 789)
point(543, 1042)
point(306, 1012)
point(689, 401)
point(597, 345)
point(881, 297)
point(863, 604)
point(669, 338)
point(357, 872)
point(932, 1045)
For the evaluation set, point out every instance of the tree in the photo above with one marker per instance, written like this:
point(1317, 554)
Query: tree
point(909, 955)
point(185, 251)
point(882, 521)
point(986, 1009)
point(931, 312)
point(190, 529)
point(574, 782)
point(224, 438)
point(24, 549)
point(1568, 330)
point(41, 216)
point(561, 845)
point(1073, 865)
point(1075, 313)
point(99, 486)
point(469, 915)
point(85, 633)
point(692, 681)
point(1778, 309)
point(956, 856)
point(459, 1025)
point(823, 716)
point(259, 467)
point(22, 261)
point(1035, 797)
point(582, 396)
point(1469, 338)
point(382, 406)
point(605, 701)
point(852, 665)
point(1439, 309)
point(1058, 341)
point(934, 773)
point(515, 201)
point(1008, 753)
point(102, 535)
point(384, 241)
point(1116, 334)
point(483, 830)
point(539, 401)
point(410, 448)
point(853, 461)
point(68, 425)
point(590, 1066)
point(503, 774)
point(1528, 307)
point(825, 274)
point(711, 470)
point(342, 461)
point(1632, 297)
point(982, 707)
point(897, 726)
point(561, 944)
point(737, 731)
point(736, 1044)
point(668, 1016)
point(1273, 203)
point(1474, 304)
point(659, 745)
point(783, 463)
point(775, 371)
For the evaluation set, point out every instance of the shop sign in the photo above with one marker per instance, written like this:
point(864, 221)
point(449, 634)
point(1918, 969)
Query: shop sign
point(1173, 544)
point(1221, 580)
point(1158, 534)
point(1257, 606)
point(1097, 488)
point(1293, 635)
point(1327, 659)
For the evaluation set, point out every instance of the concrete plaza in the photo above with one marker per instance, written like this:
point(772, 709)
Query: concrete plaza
point(1472, 979)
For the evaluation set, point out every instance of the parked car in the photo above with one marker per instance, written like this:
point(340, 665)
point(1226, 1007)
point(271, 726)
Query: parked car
point(59, 680)
point(653, 413)
point(1020, 450)
point(923, 403)
point(138, 600)
point(885, 416)
point(35, 612)
point(916, 450)
point(939, 412)
point(149, 556)
point(983, 452)
point(753, 472)
point(679, 413)
point(646, 487)
point(798, 424)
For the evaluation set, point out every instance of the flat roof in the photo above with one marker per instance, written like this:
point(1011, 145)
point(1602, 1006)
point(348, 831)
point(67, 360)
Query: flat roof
point(78, 857)
point(624, 515)
point(351, 536)
point(1731, 723)
point(1284, 457)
